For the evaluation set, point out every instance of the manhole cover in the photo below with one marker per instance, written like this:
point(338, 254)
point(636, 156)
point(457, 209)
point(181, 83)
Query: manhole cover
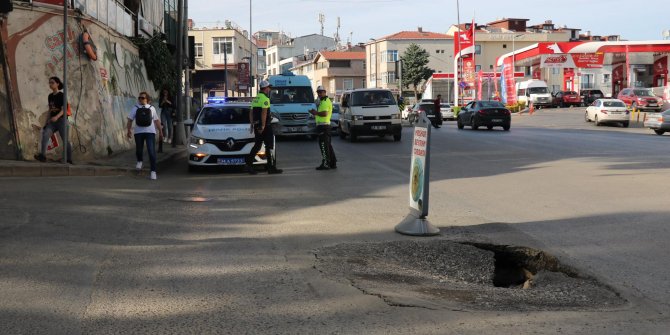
point(472, 275)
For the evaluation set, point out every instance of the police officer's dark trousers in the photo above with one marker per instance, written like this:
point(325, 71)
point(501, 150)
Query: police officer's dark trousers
point(266, 137)
point(327, 153)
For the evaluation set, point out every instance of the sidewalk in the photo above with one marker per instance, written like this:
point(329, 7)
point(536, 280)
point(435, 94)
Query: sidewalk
point(122, 163)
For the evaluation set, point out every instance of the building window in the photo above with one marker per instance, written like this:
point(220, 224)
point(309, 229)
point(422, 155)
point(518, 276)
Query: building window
point(340, 63)
point(388, 77)
point(555, 70)
point(348, 84)
point(221, 44)
point(389, 56)
point(606, 78)
point(478, 49)
point(504, 46)
point(198, 50)
point(587, 81)
point(478, 68)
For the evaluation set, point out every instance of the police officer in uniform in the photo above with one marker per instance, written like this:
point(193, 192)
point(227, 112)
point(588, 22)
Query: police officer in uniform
point(322, 115)
point(259, 117)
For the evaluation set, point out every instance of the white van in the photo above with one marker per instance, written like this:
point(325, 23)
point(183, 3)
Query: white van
point(535, 91)
point(369, 112)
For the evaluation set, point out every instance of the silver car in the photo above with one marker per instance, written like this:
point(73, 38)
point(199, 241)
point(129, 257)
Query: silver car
point(658, 122)
point(447, 112)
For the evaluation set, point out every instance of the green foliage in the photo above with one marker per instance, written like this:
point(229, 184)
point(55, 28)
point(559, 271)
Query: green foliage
point(159, 61)
point(516, 107)
point(414, 70)
point(456, 110)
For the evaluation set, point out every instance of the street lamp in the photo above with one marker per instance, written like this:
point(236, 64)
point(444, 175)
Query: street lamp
point(514, 36)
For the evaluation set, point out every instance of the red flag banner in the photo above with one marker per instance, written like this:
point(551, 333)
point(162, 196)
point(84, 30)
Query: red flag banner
point(510, 83)
point(479, 85)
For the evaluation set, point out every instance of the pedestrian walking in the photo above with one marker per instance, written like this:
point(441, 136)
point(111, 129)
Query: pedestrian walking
point(260, 121)
point(56, 122)
point(147, 125)
point(322, 115)
point(438, 113)
point(167, 112)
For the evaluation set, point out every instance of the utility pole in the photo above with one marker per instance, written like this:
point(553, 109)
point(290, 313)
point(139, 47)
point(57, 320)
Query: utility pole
point(186, 63)
point(67, 122)
point(180, 61)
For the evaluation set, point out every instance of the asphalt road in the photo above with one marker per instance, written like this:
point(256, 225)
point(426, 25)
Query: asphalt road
point(227, 253)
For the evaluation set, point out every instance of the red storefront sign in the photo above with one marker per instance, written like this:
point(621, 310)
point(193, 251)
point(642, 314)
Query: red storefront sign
point(510, 83)
point(589, 61)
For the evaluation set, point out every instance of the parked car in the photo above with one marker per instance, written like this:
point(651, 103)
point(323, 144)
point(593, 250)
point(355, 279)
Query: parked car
point(588, 96)
point(658, 122)
point(221, 135)
point(446, 111)
point(641, 99)
point(487, 113)
point(566, 99)
point(335, 117)
point(603, 111)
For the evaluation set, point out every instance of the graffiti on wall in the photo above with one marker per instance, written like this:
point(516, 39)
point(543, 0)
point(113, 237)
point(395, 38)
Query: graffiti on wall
point(54, 45)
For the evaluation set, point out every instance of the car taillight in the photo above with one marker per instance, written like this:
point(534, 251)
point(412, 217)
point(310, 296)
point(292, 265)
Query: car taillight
point(660, 119)
point(603, 111)
point(482, 112)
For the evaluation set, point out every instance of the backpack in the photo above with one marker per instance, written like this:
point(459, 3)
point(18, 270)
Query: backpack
point(143, 117)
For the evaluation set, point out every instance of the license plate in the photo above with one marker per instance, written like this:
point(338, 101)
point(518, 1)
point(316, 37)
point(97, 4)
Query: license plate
point(652, 105)
point(378, 127)
point(496, 120)
point(230, 161)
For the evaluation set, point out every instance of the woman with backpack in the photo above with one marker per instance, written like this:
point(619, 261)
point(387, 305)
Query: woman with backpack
point(56, 122)
point(147, 125)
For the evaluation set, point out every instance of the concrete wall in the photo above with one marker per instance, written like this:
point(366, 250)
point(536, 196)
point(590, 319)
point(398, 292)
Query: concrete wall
point(100, 92)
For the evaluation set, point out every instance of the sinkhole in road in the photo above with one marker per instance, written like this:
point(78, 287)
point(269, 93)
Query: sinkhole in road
point(474, 275)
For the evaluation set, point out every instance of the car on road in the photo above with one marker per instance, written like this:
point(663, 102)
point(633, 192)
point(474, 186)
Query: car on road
point(335, 117)
point(427, 107)
point(369, 112)
point(446, 111)
point(588, 96)
point(484, 113)
point(658, 122)
point(566, 99)
point(221, 135)
point(608, 111)
point(641, 99)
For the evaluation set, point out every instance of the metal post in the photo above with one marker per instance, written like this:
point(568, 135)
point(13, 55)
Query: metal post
point(187, 72)
point(251, 53)
point(225, 66)
point(179, 129)
point(67, 122)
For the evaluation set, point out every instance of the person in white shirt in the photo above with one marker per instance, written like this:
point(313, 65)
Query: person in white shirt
point(147, 125)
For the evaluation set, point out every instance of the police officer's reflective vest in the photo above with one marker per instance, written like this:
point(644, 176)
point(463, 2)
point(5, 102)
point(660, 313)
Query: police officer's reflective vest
point(261, 101)
point(325, 105)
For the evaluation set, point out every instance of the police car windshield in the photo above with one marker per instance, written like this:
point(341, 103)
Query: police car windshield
point(291, 95)
point(224, 115)
point(372, 98)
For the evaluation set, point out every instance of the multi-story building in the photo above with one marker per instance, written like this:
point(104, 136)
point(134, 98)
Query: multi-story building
point(223, 57)
point(336, 71)
point(279, 57)
point(264, 39)
point(383, 53)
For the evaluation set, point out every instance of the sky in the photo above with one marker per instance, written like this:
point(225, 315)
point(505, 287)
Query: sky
point(361, 20)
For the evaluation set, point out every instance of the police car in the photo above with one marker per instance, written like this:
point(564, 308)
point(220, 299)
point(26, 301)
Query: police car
point(221, 136)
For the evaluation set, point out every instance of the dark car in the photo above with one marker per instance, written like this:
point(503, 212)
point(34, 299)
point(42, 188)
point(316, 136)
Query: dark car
point(566, 99)
point(487, 114)
point(423, 107)
point(590, 95)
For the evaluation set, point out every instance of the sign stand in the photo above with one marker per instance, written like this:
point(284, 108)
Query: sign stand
point(415, 223)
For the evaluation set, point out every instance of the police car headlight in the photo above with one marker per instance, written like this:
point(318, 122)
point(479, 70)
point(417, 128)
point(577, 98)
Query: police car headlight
point(358, 117)
point(196, 140)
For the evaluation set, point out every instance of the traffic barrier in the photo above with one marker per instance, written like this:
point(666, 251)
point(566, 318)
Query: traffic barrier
point(531, 108)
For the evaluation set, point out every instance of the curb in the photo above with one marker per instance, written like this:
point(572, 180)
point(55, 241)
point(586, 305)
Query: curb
point(32, 169)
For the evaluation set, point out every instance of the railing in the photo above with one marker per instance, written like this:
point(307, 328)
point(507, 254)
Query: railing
point(111, 13)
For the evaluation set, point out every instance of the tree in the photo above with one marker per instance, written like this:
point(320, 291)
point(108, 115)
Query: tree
point(414, 69)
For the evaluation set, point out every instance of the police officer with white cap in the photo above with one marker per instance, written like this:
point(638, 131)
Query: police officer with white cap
point(322, 115)
point(260, 119)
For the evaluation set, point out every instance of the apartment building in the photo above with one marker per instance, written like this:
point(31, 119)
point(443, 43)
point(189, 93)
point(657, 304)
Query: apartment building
point(279, 57)
point(223, 57)
point(382, 54)
point(336, 71)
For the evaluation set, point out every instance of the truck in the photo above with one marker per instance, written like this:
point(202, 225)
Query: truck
point(535, 91)
point(291, 98)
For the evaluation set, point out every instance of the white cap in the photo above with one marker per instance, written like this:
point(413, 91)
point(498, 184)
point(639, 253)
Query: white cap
point(320, 88)
point(264, 84)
